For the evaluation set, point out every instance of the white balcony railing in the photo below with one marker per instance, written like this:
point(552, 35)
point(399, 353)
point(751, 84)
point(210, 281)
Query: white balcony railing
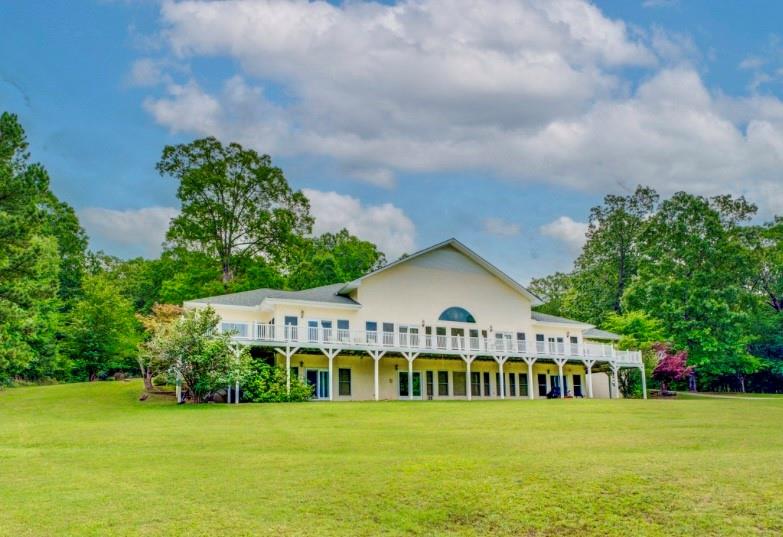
point(360, 339)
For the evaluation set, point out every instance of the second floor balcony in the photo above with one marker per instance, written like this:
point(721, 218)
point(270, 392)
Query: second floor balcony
point(410, 340)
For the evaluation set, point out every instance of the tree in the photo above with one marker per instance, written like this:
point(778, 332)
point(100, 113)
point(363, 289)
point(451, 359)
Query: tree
point(672, 366)
point(235, 204)
point(28, 261)
point(694, 276)
point(62, 223)
point(610, 257)
point(332, 258)
point(102, 331)
point(554, 290)
point(193, 349)
point(161, 318)
point(639, 331)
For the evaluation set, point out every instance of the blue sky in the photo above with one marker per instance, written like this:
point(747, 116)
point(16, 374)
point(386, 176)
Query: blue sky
point(497, 123)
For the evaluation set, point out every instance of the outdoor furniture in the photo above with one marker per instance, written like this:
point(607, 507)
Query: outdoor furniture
point(578, 391)
point(554, 393)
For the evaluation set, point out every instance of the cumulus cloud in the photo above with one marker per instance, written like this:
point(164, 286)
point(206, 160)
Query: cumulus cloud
point(568, 231)
point(385, 225)
point(528, 91)
point(139, 231)
point(500, 227)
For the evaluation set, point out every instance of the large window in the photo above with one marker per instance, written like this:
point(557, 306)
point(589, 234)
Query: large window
point(459, 383)
point(457, 315)
point(523, 384)
point(236, 329)
point(512, 385)
point(487, 388)
point(344, 377)
point(475, 383)
point(443, 383)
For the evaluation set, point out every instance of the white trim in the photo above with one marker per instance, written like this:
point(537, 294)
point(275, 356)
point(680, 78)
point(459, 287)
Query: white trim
point(194, 304)
point(312, 303)
point(575, 324)
point(464, 250)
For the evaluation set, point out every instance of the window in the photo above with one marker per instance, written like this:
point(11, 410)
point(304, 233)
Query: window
point(522, 384)
point(344, 378)
point(342, 330)
point(443, 383)
point(540, 343)
point(388, 333)
point(236, 329)
point(578, 386)
point(291, 323)
point(521, 342)
point(475, 383)
point(430, 384)
point(371, 328)
point(459, 383)
point(512, 385)
point(487, 388)
point(574, 345)
point(457, 315)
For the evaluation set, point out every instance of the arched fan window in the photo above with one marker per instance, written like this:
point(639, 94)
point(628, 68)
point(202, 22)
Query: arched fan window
point(457, 315)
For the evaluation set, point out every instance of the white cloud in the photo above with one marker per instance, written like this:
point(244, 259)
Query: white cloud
point(140, 231)
point(385, 225)
point(568, 231)
point(500, 227)
point(529, 91)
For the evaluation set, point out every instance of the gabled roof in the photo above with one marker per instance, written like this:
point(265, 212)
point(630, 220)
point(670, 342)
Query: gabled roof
point(254, 298)
point(464, 250)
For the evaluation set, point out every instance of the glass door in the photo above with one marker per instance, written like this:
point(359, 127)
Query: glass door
point(319, 380)
point(403, 384)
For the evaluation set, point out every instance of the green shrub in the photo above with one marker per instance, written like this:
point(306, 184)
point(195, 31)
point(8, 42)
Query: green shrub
point(160, 380)
point(267, 384)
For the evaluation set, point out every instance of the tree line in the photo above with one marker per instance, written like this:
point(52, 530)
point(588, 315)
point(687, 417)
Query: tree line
point(692, 271)
point(690, 274)
point(68, 313)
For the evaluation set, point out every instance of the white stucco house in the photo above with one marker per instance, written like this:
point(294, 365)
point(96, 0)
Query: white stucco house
point(442, 323)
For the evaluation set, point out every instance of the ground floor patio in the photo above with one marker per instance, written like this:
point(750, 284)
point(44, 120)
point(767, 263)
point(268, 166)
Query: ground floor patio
point(363, 377)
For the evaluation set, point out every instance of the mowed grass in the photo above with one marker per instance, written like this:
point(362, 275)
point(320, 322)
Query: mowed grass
point(90, 459)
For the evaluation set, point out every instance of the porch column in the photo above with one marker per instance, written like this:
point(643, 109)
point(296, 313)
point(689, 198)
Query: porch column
point(644, 382)
point(614, 387)
point(589, 367)
point(560, 362)
point(288, 352)
point(501, 360)
point(468, 385)
point(530, 362)
point(236, 393)
point(179, 388)
point(330, 354)
point(376, 357)
point(410, 356)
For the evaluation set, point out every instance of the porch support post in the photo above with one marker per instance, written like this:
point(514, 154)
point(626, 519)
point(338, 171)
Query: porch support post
point(501, 360)
point(589, 367)
point(560, 362)
point(644, 382)
point(376, 357)
point(614, 386)
point(236, 393)
point(410, 356)
point(468, 384)
point(288, 352)
point(529, 361)
point(179, 388)
point(330, 354)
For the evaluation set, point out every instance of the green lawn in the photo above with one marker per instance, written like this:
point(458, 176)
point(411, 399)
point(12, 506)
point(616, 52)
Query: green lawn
point(89, 459)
